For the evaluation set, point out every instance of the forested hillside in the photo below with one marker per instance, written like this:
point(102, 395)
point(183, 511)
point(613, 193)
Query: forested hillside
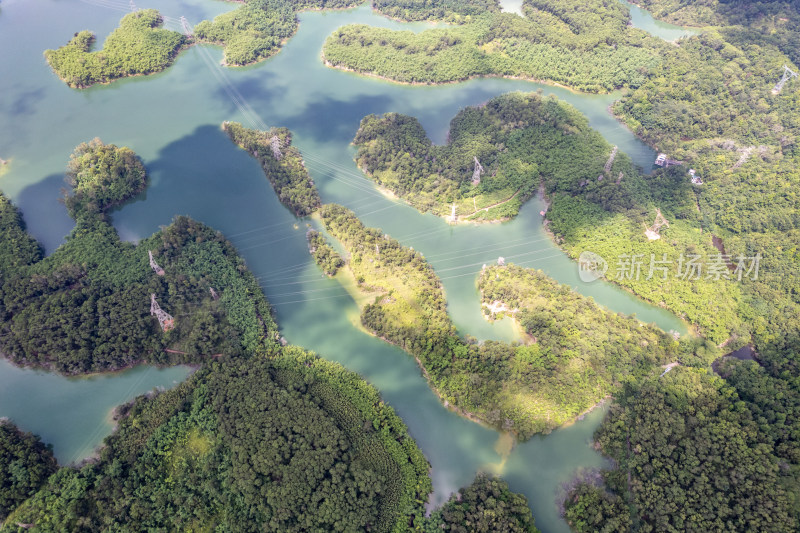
point(258, 28)
point(524, 388)
point(587, 46)
point(25, 465)
point(86, 307)
point(138, 46)
point(688, 456)
point(454, 11)
point(518, 139)
point(336, 459)
point(524, 140)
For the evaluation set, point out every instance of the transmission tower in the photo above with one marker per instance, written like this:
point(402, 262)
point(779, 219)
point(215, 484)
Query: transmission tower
point(165, 320)
point(476, 174)
point(275, 144)
point(187, 30)
point(157, 269)
point(652, 232)
point(787, 75)
point(610, 161)
point(133, 6)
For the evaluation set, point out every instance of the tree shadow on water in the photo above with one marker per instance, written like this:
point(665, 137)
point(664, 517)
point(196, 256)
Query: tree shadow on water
point(45, 216)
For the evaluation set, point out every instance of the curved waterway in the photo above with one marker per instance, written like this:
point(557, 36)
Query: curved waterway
point(75, 413)
point(172, 120)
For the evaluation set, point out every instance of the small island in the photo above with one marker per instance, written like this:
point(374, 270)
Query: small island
point(138, 47)
point(496, 156)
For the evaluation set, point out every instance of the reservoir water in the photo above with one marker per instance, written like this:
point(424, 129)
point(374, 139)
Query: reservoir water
point(172, 120)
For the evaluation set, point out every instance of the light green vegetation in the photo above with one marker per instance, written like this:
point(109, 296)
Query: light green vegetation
point(282, 164)
point(263, 437)
point(524, 140)
point(587, 46)
point(454, 11)
point(258, 29)
point(138, 46)
point(582, 356)
point(578, 353)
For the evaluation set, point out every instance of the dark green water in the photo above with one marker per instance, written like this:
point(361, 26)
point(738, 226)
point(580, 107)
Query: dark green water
point(172, 121)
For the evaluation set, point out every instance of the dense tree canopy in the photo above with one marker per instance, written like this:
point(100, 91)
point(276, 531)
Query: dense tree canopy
point(690, 458)
point(585, 45)
point(246, 445)
point(102, 176)
point(323, 253)
point(486, 506)
point(25, 464)
point(456, 11)
point(519, 139)
point(138, 46)
point(282, 164)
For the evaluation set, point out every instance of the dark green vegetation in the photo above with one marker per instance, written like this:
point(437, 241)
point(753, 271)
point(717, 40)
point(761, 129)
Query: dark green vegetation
point(258, 29)
point(292, 444)
point(586, 45)
point(102, 176)
point(138, 46)
point(577, 360)
point(25, 464)
point(519, 140)
point(86, 307)
point(323, 253)
point(690, 457)
point(282, 164)
point(486, 506)
point(456, 11)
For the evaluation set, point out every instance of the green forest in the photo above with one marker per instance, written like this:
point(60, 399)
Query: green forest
point(86, 307)
point(519, 140)
point(258, 28)
point(524, 141)
point(453, 11)
point(584, 45)
point(282, 164)
point(25, 465)
point(194, 458)
point(102, 176)
point(580, 355)
point(689, 456)
point(138, 46)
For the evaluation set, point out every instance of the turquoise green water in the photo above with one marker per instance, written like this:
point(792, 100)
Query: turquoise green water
point(172, 121)
point(74, 413)
point(642, 19)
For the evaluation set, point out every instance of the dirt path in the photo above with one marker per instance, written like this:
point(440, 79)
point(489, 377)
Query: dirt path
point(494, 205)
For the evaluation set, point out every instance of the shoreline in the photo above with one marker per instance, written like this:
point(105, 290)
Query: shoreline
point(472, 77)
